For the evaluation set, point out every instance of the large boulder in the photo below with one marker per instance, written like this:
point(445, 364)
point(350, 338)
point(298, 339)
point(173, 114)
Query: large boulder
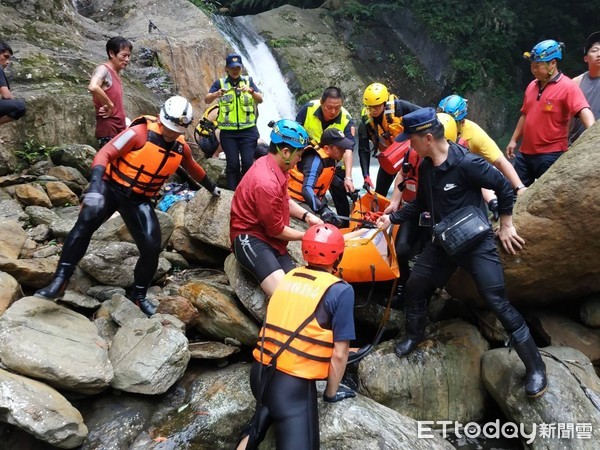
point(560, 225)
point(440, 380)
point(572, 399)
point(12, 238)
point(43, 340)
point(148, 357)
point(220, 315)
point(41, 411)
point(207, 218)
point(10, 291)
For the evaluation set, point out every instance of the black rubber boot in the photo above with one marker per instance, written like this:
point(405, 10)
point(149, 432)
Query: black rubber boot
point(415, 334)
point(138, 296)
point(57, 286)
point(536, 382)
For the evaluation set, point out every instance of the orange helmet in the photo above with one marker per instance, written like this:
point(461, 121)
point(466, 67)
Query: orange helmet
point(322, 244)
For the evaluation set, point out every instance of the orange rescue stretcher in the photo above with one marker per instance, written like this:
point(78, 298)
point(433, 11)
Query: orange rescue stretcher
point(371, 255)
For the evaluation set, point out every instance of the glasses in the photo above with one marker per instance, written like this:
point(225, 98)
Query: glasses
point(374, 108)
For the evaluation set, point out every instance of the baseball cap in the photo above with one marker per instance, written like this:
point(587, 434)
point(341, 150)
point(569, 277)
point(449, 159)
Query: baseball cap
point(333, 136)
point(417, 122)
point(591, 40)
point(233, 60)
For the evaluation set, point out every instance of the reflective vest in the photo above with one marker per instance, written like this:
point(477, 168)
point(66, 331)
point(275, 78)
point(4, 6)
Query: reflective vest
point(295, 300)
point(144, 170)
point(237, 110)
point(313, 125)
point(296, 179)
point(382, 135)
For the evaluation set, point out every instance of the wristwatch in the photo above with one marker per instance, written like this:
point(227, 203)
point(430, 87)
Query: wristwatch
point(519, 187)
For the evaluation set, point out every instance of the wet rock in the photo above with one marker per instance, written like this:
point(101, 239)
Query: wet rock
point(10, 291)
point(181, 308)
point(66, 218)
point(559, 330)
point(114, 262)
point(211, 350)
point(34, 273)
point(440, 380)
point(107, 328)
point(80, 300)
point(41, 339)
point(573, 395)
point(114, 229)
point(148, 358)
point(11, 209)
point(178, 262)
point(46, 251)
point(491, 328)
point(207, 218)
point(29, 194)
point(122, 310)
point(103, 293)
point(77, 156)
point(41, 411)
point(246, 288)
point(69, 175)
point(169, 320)
point(60, 194)
point(590, 312)
point(12, 238)
point(39, 233)
point(16, 178)
point(220, 316)
point(40, 215)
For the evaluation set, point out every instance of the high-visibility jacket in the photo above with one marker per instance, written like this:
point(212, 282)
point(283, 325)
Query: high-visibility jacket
point(145, 170)
point(313, 125)
point(382, 135)
point(237, 110)
point(295, 300)
point(296, 179)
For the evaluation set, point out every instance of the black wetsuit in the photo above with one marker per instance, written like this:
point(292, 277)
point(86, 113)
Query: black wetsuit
point(456, 183)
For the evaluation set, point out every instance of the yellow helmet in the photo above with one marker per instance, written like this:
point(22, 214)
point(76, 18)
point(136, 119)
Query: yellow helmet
point(375, 94)
point(450, 130)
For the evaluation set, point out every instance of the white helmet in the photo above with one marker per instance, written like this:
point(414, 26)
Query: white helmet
point(176, 114)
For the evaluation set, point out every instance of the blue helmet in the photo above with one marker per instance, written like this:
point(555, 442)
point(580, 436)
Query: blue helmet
point(545, 51)
point(454, 105)
point(289, 132)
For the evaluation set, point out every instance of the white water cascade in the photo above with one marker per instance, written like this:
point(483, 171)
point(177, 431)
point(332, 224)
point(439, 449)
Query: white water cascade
point(261, 65)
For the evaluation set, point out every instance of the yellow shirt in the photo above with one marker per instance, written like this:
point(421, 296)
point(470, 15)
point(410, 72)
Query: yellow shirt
point(478, 141)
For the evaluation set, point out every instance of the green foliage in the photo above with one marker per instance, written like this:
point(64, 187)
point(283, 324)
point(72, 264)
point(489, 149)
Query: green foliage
point(283, 42)
point(32, 152)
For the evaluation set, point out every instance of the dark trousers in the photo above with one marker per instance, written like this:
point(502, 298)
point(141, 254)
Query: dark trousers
point(531, 167)
point(291, 404)
point(236, 145)
point(338, 194)
point(13, 108)
point(434, 268)
point(409, 236)
point(141, 221)
point(384, 181)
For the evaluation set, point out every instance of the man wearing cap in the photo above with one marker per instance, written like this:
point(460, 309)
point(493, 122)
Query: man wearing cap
point(314, 173)
point(451, 178)
point(238, 97)
point(127, 173)
point(550, 101)
point(589, 82)
point(329, 112)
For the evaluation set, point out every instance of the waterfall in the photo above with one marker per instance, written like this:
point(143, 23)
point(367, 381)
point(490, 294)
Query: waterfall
point(261, 65)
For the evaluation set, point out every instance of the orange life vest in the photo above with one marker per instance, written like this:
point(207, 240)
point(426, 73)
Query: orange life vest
point(295, 300)
point(322, 184)
point(410, 171)
point(144, 170)
point(382, 135)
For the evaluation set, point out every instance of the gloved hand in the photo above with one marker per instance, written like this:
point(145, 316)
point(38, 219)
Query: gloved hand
point(329, 216)
point(493, 207)
point(342, 393)
point(211, 186)
point(95, 195)
point(368, 183)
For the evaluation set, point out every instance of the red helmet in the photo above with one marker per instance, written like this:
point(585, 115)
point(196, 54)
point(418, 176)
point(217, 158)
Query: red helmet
point(322, 244)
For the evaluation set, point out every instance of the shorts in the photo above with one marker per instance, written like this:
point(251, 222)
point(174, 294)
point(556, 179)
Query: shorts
point(259, 258)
